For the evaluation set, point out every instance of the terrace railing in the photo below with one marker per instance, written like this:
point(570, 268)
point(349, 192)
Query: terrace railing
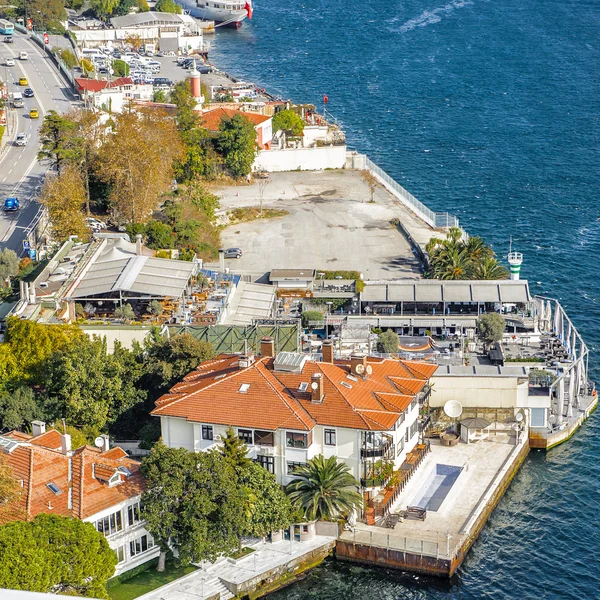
point(438, 220)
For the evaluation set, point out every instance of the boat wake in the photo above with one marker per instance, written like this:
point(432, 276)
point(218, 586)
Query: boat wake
point(427, 17)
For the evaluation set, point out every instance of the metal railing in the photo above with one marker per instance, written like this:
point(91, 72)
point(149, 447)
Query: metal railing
point(435, 219)
point(401, 543)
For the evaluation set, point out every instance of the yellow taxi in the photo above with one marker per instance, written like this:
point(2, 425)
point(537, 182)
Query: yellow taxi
point(23, 81)
point(34, 114)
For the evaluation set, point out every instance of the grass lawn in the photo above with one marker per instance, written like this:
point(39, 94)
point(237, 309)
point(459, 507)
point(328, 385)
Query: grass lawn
point(147, 581)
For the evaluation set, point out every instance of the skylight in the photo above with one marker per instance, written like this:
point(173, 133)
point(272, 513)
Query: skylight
point(345, 384)
point(7, 445)
point(351, 377)
point(244, 388)
point(303, 386)
point(125, 471)
point(53, 488)
point(220, 376)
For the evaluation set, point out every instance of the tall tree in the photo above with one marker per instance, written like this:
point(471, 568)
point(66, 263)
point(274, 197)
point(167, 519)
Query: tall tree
point(137, 160)
point(490, 328)
point(90, 387)
point(104, 8)
point(288, 121)
point(55, 554)
point(9, 266)
point(65, 198)
point(18, 408)
point(271, 508)
point(59, 142)
point(235, 451)
point(168, 6)
point(236, 140)
point(324, 489)
point(192, 502)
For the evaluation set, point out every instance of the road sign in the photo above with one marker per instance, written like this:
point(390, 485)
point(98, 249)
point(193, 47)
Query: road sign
point(33, 254)
point(26, 245)
point(46, 38)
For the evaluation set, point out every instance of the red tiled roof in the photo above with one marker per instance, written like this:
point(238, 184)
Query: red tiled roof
point(37, 463)
point(211, 394)
point(212, 119)
point(96, 85)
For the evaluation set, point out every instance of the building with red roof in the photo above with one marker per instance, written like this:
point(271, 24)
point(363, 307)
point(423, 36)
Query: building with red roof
point(102, 486)
point(263, 124)
point(288, 409)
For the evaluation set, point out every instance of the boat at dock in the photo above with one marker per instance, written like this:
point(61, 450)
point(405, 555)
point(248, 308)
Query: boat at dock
point(222, 12)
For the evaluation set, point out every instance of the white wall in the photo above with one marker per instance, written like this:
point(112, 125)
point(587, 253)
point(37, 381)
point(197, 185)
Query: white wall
point(126, 535)
point(303, 159)
point(312, 133)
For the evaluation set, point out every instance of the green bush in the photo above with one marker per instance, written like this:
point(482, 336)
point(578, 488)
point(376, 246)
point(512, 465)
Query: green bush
point(311, 315)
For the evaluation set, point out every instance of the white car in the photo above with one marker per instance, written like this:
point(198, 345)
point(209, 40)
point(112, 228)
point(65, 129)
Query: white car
point(95, 224)
point(23, 56)
point(22, 139)
point(9, 62)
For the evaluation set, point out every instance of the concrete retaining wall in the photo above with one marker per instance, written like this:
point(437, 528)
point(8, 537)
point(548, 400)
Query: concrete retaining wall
point(268, 580)
point(301, 159)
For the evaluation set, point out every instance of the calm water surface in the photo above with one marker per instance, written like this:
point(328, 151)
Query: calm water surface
point(490, 110)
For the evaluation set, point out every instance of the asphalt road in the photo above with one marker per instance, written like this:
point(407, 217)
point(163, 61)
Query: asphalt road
point(20, 172)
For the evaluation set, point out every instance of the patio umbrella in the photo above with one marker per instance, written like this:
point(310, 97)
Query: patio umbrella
point(475, 423)
point(541, 317)
point(568, 338)
point(556, 319)
point(574, 344)
point(578, 381)
point(560, 401)
point(548, 314)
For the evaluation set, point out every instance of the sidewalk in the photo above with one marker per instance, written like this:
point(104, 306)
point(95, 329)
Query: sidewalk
point(10, 132)
point(247, 573)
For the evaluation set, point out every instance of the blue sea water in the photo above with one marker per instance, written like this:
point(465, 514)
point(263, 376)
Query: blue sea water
point(491, 110)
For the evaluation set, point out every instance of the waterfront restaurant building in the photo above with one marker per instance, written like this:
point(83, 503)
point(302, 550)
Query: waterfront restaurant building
point(289, 409)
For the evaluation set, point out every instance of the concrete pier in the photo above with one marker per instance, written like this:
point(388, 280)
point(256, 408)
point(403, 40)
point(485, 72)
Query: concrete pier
point(438, 545)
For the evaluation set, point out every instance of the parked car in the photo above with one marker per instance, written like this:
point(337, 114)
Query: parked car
point(28, 93)
point(233, 253)
point(204, 69)
point(34, 114)
point(9, 62)
point(95, 224)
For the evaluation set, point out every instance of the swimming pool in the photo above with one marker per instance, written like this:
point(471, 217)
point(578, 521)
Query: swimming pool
point(436, 487)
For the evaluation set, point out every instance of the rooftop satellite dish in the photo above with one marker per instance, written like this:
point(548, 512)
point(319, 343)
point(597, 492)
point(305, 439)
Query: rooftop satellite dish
point(99, 442)
point(369, 369)
point(360, 369)
point(519, 417)
point(314, 385)
point(453, 409)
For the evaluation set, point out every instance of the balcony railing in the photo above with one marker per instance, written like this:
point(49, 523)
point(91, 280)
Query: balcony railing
point(376, 449)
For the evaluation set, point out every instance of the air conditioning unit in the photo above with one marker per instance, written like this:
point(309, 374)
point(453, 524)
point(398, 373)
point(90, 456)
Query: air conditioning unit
point(217, 438)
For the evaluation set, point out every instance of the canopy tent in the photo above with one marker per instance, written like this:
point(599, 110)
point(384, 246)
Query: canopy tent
point(472, 430)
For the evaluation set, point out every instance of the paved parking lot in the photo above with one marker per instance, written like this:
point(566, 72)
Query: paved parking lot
point(330, 225)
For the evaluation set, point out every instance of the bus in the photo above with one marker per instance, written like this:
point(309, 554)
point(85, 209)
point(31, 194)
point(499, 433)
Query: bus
point(6, 27)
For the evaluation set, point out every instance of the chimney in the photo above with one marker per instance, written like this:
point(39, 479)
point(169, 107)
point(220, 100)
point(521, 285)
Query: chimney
point(65, 443)
point(267, 347)
point(138, 244)
point(38, 427)
point(245, 360)
point(316, 388)
point(358, 364)
point(105, 443)
point(327, 350)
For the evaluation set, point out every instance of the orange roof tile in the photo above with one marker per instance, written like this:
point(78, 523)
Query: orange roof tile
point(37, 464)
point(212, 119)
point(211, 394)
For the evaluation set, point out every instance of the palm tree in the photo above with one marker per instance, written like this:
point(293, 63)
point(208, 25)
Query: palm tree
point(452, 263)
point(489, 268)
point(477, 249)
point(324, 489)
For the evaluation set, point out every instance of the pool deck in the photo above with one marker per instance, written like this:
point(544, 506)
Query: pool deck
point(438, 545)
